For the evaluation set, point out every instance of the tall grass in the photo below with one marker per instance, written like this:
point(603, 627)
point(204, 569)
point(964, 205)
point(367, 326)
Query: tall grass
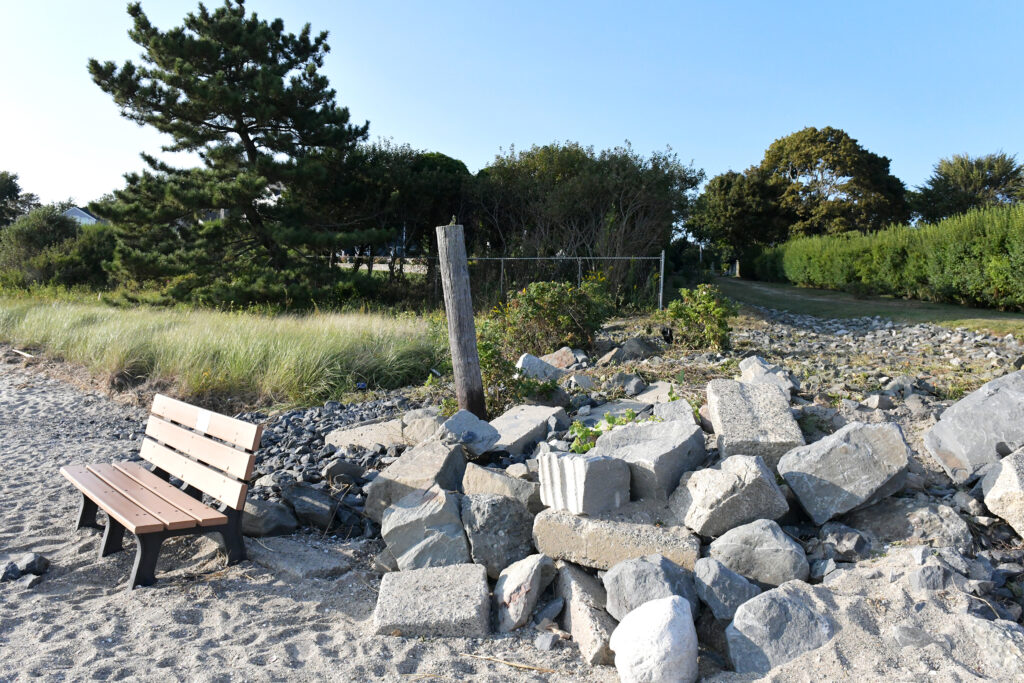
point(299, 359)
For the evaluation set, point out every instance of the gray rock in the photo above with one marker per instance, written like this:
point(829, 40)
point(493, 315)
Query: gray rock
point(980, 428)
point(657, 642)
point(546, 641)
point(754, 370)
point(879, 402)
point(29, 581)
point(518, 588)
point(521, 427)
point(739, 490)
point(549, 611)
point(499, 530)
point(858, 465)
point(31, 563)
point(561, 359)
point(614, 536)
point(9, 570)
point(630, 384)
point(465, 428)
point(752, 419)
point(776, 627)
point(386, 433)
point(450, 601)
point(340, 472)
point(421, 425)
point(534, 368)
point(1003, 486)
point(762, 552)
point(721, 589)
point(294, 560)
point(584, 615)
point(312, 506)
point(267, 518)
point(673, 411)
point(657, 453)
point(419, 468)
point(637, 348)
point(930, 577)
point(485, 480)
point(424, 529)
point(582, 382)
point(905, 520)
point(583, 484)
point(631, 583)
point(842, 543)
point(656, 393)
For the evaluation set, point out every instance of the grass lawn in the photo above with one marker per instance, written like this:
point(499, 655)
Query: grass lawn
point(830, 304)
point(300, 359)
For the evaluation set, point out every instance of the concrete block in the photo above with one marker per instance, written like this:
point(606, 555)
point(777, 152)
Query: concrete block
point(523, 426)
point(420, 467)
point(583, 484)
point(752, 419)
point(486, 480)
point(451, 601)
point(658, 453)
point(615, 536)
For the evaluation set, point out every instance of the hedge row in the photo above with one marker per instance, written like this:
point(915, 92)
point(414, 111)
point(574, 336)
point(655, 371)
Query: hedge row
point(976, 258)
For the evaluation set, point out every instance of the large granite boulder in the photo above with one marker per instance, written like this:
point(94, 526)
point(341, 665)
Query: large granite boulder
point(657, 642)
point(499, 530)
point(658, 453)
point(1003, 486)
point(980, 428)
point(858, 465)
point(424, 529)
point(752, 419)
point(777, 626)
point(631, 583)
point(721, 589)
point(762, 552)
point(420, 467)
point(740, 490)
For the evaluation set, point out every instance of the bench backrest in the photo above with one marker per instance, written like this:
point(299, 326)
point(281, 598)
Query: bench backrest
point(212, 452)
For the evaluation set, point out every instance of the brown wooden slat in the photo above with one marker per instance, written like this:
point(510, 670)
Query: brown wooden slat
point(204, 514)
point(225, 458)
point(208, 480)
point(130, 515)
point(170, 515)
point(240, 433)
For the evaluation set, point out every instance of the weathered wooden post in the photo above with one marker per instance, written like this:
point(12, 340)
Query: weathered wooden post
point(458, 304)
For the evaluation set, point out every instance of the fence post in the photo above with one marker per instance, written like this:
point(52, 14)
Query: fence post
point(458, 304)
point(661, 281)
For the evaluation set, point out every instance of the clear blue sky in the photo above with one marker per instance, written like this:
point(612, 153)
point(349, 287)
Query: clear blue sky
point(717, 81)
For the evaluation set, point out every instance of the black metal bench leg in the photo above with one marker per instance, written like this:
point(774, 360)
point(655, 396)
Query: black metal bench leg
point(113, 537)
point(146, 554)
point(87, 514)
point(231, 535)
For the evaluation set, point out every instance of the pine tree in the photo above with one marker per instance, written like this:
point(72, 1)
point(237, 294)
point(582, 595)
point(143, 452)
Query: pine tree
point(249, 99)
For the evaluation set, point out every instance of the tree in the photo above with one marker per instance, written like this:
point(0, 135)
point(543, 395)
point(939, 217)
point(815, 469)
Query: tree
point(14, 202)
point(835, 185)
point(962, 183)
point(741, 212)
point(249, 99)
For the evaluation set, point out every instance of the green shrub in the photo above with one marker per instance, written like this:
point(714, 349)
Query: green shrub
point(976, 258)
point(700, 318)
point(545, 316)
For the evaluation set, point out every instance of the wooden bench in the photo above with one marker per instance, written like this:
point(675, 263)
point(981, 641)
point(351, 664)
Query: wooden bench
point(210, 453)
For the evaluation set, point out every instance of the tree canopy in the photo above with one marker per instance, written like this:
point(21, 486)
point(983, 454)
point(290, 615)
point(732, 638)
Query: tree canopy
point(835, 184)
point(963, 182)
point(248, 97)
point(14, 202)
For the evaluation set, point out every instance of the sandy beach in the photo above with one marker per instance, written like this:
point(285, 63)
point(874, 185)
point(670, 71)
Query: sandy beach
point(201, 621)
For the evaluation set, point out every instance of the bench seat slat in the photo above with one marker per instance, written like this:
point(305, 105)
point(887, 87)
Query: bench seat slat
point(146, 499)
point(238, 432)
point(225, 458)
point(208, 480)
point(130, 515)
point(204, 514)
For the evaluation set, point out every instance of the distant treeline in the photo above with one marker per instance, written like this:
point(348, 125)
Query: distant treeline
point(974, 258)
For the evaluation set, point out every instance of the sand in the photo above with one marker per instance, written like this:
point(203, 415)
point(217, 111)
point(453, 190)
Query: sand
point(201, 621)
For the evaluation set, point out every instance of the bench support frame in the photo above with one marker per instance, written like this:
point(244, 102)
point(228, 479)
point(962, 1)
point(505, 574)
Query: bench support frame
point(147, 546)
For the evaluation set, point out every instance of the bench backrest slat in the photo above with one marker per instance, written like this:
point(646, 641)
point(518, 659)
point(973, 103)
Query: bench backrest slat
point(229, 491)
point(238, 464)
point(238, 432)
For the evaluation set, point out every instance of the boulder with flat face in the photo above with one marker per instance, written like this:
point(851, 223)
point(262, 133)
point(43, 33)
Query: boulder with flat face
point(752, 419)
point(486, 480)
point(521, 427)
point(631, 583)
point(740, 490)
point(451, 601)
point(721, 589)
point(858, 465)
point(518, 588)
point(421, 467)
point(658, 453)
point(584, 615)
point(1004, 490)
point(424, 529)
point(762, 552)
point(980, 428)
point(499, 530)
